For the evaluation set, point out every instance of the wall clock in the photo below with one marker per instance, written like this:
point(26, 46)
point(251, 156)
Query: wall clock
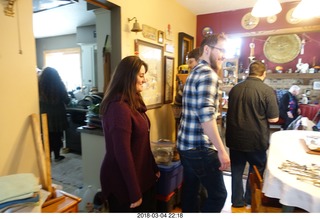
point(290, 19)
point(249, 22)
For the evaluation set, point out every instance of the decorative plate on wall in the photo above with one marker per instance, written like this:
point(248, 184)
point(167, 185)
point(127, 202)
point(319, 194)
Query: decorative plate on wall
point(282, 48)
point(249, 22)
point(272, 19)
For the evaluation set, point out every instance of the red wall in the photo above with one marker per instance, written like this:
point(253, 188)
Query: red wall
point(230, 23)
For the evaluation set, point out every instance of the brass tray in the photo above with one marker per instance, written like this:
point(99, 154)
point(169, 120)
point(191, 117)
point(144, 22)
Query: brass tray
point(282, 48)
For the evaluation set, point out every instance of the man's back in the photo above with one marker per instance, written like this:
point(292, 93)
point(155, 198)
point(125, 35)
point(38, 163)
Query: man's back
point(251, 103)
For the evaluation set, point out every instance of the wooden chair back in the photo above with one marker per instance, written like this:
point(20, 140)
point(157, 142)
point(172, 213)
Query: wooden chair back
point(259, 202)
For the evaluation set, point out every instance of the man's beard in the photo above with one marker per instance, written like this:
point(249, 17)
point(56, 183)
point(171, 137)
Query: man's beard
point(214, 63)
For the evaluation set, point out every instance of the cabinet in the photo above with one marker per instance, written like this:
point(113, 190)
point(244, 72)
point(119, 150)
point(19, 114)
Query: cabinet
point(76, 118)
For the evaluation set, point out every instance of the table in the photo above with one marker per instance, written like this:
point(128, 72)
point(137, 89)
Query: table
point(64, 203)
point(287, 145)
point(310, 111)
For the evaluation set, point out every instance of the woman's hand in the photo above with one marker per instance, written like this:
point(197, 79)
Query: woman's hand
point(136, 204)
point(158, 174)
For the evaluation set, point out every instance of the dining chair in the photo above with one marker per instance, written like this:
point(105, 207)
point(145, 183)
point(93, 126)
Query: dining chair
point(259, 202)
point(263, 204)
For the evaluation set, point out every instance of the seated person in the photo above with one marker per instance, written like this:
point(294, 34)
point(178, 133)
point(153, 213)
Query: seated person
point(289, 106)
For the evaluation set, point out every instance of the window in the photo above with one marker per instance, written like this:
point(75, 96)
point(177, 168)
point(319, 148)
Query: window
point(68, 63)
point(233, 47)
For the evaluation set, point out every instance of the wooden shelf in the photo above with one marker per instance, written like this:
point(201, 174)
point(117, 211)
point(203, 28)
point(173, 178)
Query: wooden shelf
point(292, 75)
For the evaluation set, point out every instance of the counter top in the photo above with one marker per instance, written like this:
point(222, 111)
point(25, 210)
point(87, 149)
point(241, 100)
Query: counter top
point(96, 131)
point(79, 109)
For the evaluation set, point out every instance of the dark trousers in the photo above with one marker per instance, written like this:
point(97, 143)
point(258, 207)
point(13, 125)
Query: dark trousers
point(148, 203)
point(55, 141)
point(239, 160)
point(201, 166)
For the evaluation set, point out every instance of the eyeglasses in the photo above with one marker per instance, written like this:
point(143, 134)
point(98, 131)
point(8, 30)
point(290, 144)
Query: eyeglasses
point(220, 49)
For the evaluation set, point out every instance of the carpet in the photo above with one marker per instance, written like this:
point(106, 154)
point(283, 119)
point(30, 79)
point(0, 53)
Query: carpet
point(68, 171)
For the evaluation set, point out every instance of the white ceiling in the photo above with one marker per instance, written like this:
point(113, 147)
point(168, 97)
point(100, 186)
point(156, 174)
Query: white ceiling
point(212, 6)
point(64, 20)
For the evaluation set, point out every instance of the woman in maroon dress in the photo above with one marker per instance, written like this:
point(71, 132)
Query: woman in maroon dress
point(129, 172)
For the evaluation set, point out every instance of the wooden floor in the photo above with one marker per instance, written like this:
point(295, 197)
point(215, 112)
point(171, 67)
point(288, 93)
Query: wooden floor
point(227, 207)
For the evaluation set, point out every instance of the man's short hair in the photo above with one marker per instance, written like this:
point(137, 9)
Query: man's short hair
point(195, 53)
point(294, 88)
point(257, 68)
point(211, 40)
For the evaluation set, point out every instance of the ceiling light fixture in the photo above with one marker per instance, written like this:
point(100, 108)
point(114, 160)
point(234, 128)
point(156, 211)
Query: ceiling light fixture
point(266, 8)
point(307, 9)
point(136, 26)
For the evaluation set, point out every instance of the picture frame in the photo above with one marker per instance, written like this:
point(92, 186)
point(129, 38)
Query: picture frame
point(153, 91)
point(160, 36)
point(316, 85)
point(168, 79)
point(185, 45)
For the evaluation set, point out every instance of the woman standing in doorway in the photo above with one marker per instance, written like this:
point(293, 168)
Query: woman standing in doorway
point(129, 172)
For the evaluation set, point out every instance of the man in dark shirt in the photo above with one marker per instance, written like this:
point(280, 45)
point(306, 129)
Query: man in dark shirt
point(252, 106)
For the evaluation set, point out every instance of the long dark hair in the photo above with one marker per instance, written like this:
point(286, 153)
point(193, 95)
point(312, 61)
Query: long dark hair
point(123, 82)
point(51, 88)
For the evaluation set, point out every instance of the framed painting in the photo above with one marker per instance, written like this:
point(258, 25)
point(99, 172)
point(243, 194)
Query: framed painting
point(185, 45)
point(153, 91)
point(168, 79)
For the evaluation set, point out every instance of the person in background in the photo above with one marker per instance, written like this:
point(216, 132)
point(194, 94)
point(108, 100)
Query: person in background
point(128, 172)
point(289, 106)
point(202, 152)
point(193, 57)
point(252, 106)
point(53, 100)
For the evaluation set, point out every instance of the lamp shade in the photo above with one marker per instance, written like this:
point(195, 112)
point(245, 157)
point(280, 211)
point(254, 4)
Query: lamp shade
point(266, 8)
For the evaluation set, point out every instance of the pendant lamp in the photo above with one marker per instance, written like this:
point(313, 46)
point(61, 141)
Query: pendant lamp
point(266, 8)
point(307, 9)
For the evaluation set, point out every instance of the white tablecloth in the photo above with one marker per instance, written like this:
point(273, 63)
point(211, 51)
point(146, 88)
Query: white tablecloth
point(287, 145)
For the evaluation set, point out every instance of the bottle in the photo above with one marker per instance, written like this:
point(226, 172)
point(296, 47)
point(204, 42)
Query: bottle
point(87, 201)
point(79, 192)
point(304, 99)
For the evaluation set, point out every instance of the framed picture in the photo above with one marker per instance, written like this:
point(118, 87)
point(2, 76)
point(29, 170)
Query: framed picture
point(153, 91)
point(168, 79)
point(160, 36)
point(185, 45)
point(316, 85)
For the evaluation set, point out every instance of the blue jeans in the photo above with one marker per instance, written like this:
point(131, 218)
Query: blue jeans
point(201, 166)
point(239, 160)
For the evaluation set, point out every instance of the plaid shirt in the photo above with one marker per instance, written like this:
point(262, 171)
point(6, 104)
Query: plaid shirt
point(199, 104)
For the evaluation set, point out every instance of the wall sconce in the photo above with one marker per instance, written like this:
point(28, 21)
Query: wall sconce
point(136, 26)
point(266, 8)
